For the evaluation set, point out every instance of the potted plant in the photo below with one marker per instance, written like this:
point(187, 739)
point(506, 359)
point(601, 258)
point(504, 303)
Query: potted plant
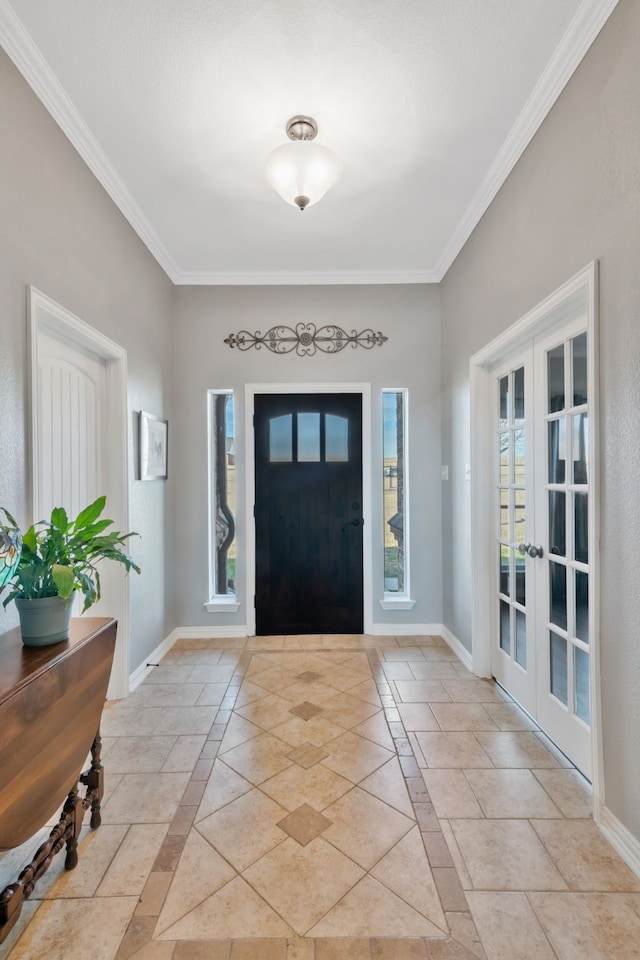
point(52, 559)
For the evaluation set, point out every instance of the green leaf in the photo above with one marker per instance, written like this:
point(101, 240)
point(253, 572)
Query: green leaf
point(64, 579)
point(90, 513)
point(59, 519)
point(30, 541)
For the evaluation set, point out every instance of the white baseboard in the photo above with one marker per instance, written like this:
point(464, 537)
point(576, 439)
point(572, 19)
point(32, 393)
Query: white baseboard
point(621, 839)
point(406, 630)
point(458, 648)
point(210, 633)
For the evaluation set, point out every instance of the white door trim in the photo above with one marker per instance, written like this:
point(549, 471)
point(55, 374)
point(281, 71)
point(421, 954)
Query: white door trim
point(577, 297)
point(250, 391)
point(47, 316)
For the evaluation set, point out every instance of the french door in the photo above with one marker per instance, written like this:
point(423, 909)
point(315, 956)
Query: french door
point(541, 648)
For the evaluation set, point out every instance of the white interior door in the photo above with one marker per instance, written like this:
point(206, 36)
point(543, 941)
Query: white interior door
point(540, 649)
point(79, 441)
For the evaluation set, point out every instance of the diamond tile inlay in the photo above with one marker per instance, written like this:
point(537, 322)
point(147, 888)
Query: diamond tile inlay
point(304, 824)
point(307, 755)
point(308, 676)
point(306, 710)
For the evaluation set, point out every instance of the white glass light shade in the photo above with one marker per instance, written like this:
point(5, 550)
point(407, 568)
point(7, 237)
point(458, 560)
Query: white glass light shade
point(302, 169)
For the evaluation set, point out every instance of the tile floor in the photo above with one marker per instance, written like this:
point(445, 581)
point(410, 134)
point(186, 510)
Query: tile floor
point(330, 798)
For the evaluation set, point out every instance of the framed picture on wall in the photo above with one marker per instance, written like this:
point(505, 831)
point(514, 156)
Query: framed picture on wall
point(152, 447)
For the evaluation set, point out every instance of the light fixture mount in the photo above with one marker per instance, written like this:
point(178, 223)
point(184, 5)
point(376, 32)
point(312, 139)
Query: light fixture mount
point(302, 128)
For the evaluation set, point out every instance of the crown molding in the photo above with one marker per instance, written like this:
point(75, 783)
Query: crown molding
point(36, 71)
point(580, 34)
point(300, 277)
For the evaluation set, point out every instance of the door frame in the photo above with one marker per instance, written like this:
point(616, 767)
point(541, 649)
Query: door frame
point(577, 297)
point(250, 390)
point(46, 316)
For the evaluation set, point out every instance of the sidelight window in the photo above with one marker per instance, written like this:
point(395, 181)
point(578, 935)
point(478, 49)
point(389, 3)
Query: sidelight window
point(395, 501)
point(222, 495)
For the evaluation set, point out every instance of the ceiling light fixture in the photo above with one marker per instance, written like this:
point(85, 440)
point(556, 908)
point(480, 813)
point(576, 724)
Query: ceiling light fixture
point(302, 171)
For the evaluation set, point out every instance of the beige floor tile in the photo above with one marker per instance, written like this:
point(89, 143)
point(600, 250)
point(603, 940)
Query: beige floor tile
point(375, 728)
point(123, 719)
point(268, 712)
point(563, 761)
point(145, 798)
point(303, 883)
point(258, 759)
point(316, 786)
point(130, 868)
point(348, 711)
point(238, 731)
point(417, 716)
point(508, 927)
point(462, 716)
point(508, 716)
point(66, 929)
point(167, 694)
point(569, 791)
point(212, 694)
point(139, 754)
point(250, 691)
point(319, 731)
point(597, 926)
point(584, 858)
point(422, 691)
point(168, 672)
point(347, 679)
point(516, 749)
point(199, 860)
point(433, 670)
point(512, 794)
point(213, 673)
point(340, 948)
point(96, 849)
point(259, 950)
point(154, 894)
point(456, 856)
point(184, 754)
point(372, 910)
point(473, 691)
point(298, 692)
point(367, 691)
point(398, 949)
point(364, 827)
point(465, 937)
point(235, 912)
point(157, 951)
point(224, 785)
point(405, 871)
point(355, 757)
point(456, 750)
point(185, 720)
point(505, 855)
point(451, 794)
point(387, 784)
point(393, 654)
point(245, 829)
point(398, 670)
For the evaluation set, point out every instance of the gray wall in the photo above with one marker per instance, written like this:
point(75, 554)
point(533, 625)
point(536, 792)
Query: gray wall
point(60, 232)
point(573, 197)
point(408, 315)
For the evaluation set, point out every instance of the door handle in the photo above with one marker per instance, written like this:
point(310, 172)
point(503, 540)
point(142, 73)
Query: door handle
point(530, 549)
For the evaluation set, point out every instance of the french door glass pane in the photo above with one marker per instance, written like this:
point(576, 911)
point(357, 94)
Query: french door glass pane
point(504, 569)
point(518, 395)
point(581, 527)
point(557, 450)
point(504, 402)
point(581, 684)
point(557, 523)
point(521, 638)
point(579, 357)
point(308, 437)
point(558, 661)
point(519, 447)
point(580, 442)
point(555, 360)
point(504, 515)
point(505, 452)
point(521, 580)
point(505, 632)
point(558, 595)
point(582, 605)
point(337, 437)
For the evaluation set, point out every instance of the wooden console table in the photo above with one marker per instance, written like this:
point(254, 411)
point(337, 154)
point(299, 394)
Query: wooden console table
point(51, 701)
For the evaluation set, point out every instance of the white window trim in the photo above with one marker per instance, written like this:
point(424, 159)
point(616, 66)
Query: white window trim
point(217, 603)
point(400, 601)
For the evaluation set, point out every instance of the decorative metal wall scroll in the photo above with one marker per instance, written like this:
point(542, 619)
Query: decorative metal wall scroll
point(306, 339)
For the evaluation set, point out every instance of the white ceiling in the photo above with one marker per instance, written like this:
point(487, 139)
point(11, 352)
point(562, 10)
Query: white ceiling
point(175, 105)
